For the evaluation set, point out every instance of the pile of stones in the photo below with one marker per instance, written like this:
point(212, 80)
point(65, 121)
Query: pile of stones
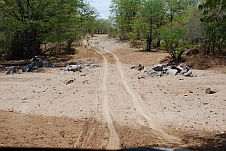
point(33, 66)
point(76, 66)
point(159, 70)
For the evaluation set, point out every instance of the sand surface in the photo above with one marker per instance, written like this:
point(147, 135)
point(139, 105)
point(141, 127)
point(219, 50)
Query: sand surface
point(108, 107)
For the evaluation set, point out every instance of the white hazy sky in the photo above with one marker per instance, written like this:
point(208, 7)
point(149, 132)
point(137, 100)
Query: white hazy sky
point(102, 7)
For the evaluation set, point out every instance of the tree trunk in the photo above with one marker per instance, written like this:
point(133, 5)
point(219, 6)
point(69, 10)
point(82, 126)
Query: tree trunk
point(213, 50)
point(213, 43)
point(219, 47)
point(158, 44)
point(69, 44)
point(32, 44)
point(149, 40)
point(208, 49)
point(179, 56)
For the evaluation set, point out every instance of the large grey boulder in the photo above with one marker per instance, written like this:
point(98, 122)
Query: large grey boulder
point(152, 72)
point(28, 67)
point(158, 67)
point(188, 74)
point(184, 70)
point(36, 63)
point(44, 63)
point(172, 72)
point(74, 68)
point(166, 68)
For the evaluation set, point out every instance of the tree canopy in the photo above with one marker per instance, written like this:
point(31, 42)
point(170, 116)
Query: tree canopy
point(214, 18)
point(30, 23)
point(172, 25)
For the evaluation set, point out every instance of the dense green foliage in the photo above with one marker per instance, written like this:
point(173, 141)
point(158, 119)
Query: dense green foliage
point(172, 25)
point(175, 24)
point(102, 26)
point(124, 11)
point(26, 24)
point(214, 18)
point(147, 21)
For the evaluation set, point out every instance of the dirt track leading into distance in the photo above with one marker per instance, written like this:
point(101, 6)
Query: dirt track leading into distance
point(109, 107)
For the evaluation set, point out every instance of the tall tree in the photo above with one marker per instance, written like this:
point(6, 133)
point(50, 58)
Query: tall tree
point(88, 16)
point(173, 8)
point(124, 12)
point(34, 21)
point(193, 26)
point(174, 33)
point(214, 17)
point(174, 40)
point(148, 20)
point(102, 26)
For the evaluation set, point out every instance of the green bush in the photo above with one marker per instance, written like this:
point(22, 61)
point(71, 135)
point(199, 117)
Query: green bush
point(173, 41)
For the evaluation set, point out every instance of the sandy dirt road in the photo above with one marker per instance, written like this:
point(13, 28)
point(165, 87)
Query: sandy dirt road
point(109, 107)
point(132, 98)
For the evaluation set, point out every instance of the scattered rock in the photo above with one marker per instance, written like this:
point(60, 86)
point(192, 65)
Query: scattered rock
point(139, 67)
point(25, 98)
point(141, 77)
point(83, 75)
point(45, 90)
point(27, 68)
point(94, 65)
point(44, 63)
point(166, 68)
point(36, 63)
point(158, 67)
point(74, 68)
point(159, 70)
point(33, 66)
point(150, 71)
point(11, 70)
point(189, 73)
point(20, 71)
point(70, 81)
point(10, 110)
point(179, 68)
point(209, 91)
point(184, 70)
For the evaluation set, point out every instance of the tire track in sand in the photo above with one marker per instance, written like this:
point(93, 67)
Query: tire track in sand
point(114, 141)
point(140, 108)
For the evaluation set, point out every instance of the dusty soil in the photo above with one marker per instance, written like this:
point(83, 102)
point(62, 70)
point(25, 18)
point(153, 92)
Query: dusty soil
point(108, 107)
